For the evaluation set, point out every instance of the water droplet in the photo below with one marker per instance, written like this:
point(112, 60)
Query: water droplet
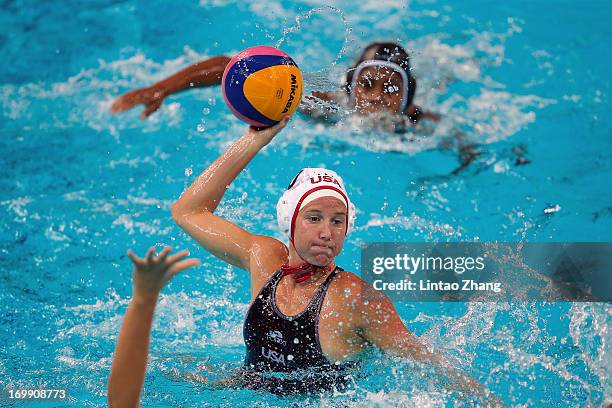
point(212, 101)
point(205, 111)
point(201, 128)
point(552, 209)
point(188, 171)
point(289, 357)
point(296, 340)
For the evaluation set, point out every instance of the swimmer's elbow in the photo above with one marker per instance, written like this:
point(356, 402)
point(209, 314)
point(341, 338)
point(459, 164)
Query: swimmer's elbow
point(180, 212)
point(179, 215)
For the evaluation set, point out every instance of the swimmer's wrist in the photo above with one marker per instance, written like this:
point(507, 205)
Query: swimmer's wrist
point(145, 299)
point(261, 137)
point(254, 139)
point(159, 90)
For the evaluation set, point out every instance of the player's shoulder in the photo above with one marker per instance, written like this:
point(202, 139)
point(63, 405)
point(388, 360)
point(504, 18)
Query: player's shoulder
point(267, 255)
point(349, 283)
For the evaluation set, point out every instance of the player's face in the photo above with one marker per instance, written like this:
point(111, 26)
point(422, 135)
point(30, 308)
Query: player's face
point(378, 89)
point(320, 228)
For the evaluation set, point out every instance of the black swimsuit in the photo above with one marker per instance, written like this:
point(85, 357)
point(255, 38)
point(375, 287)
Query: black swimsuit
point(288, 344)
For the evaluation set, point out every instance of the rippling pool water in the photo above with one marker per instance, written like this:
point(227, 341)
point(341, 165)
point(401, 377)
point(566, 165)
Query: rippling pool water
point(79, 185)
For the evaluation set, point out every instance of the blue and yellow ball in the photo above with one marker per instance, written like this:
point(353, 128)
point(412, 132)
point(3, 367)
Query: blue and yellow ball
point(261, 85)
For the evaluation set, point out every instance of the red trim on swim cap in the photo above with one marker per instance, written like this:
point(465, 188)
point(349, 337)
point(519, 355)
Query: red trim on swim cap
point(306, 194)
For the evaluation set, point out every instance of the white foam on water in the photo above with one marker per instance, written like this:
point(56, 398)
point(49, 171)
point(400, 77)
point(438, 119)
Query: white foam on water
point(18, 206)
point(400, 398)
point(589, 327)
point(57, 233)
point(85, 98)
point(181, 320)
point(149, 227)
point(215, 3)
point(422, 227)
point(130, 213)
point(85, 363)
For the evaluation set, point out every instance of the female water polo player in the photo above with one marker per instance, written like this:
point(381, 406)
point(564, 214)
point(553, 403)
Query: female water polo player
point(379, 82)
point(308, 318)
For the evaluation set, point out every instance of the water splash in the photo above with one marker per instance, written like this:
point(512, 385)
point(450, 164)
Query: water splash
point(319, 79)
point(486, 116)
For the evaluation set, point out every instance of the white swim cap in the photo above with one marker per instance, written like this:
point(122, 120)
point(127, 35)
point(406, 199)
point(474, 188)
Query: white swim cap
point(382, 64)
point(308, 185)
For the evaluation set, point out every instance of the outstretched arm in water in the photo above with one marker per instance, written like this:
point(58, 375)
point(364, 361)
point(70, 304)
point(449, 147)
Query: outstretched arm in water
point(150, 275)
point(381, 326)
point(203, 73)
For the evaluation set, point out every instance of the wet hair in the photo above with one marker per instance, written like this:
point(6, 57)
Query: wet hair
point(384, 51)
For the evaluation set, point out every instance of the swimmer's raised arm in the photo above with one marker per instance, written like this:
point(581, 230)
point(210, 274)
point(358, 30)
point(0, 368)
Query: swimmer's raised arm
point(381, 326)
point(329, 96)
point(149, 276)
point(194, 209)
point(203, 73)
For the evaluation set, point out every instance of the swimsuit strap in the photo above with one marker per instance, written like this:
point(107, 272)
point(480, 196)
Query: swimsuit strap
point(314, 306)
point(317, 301)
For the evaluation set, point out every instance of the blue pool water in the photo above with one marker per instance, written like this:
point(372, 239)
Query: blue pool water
point(79, 186)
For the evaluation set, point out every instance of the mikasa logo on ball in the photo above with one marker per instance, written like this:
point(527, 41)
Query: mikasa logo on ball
point(294, 86)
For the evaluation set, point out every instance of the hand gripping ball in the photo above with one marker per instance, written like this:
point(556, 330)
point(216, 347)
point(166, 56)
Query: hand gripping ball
point(261, 85)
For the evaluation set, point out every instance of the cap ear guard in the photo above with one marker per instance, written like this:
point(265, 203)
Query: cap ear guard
point(283, 216)
point(351, 219)
point(300, 186)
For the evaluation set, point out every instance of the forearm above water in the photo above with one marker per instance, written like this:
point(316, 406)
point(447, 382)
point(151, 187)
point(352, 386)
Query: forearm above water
point(208, 189)
point(130, 358)
point(203, 73)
